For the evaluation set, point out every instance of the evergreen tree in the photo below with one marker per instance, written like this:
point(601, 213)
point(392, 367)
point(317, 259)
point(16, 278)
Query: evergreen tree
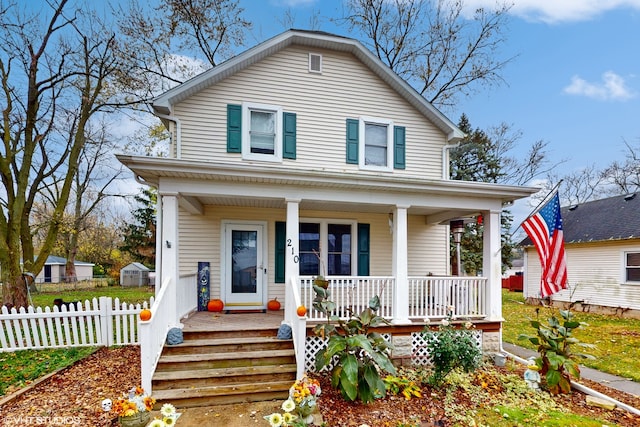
point(478, 158)
point(140, 235)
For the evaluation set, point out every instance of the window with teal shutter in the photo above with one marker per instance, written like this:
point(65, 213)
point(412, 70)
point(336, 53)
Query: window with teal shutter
point(352, 141)
point(363, 249)
point(234, 128)
point(281, 242)
point(399, 150)
point(289, 136)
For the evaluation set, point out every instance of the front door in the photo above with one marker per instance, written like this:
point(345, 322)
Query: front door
point(244, 265)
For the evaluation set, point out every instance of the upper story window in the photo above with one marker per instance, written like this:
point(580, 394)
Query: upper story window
point(632, 267)
point(262, 132)
point(376, 143)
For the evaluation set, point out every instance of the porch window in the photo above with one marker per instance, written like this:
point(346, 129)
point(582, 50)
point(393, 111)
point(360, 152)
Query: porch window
point(632, 267)
point(333, 242)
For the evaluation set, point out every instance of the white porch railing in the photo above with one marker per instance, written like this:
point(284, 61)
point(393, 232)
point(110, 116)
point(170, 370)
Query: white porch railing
point(153, 333)
point(430, 297)
point(187, 297)
point(350, 294)
point(100, 322)
point(298, 324)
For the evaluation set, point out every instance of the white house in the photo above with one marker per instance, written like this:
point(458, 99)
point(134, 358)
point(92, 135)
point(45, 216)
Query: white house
point(602, 244)
point(308, 142)
point(54, 270)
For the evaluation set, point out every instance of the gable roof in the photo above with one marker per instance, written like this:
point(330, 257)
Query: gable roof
point(613, 218)
point(315, 39)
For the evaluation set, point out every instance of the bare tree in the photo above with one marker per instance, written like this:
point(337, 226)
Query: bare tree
point(624, 176)
point(578, 186)
point(54, 75)
point(432, 45)
point(159, 38)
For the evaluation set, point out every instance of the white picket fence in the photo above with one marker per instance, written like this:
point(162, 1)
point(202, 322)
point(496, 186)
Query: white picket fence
point(101, 322)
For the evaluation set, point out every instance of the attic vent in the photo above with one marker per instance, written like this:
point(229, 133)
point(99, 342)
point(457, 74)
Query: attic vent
point(629, 197)
point(573, 207)
point(315, 63)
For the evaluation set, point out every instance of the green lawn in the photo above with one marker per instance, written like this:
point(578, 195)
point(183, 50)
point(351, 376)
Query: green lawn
point(21, 367)
point(617, 340)
point(129, 295)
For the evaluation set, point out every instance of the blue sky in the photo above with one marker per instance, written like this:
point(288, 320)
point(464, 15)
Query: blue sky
point(574, 83)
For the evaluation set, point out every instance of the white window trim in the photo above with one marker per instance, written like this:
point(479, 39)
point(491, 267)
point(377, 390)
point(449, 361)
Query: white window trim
point(247, 107)
point(361, 143)
point(311, 70)
point(324, 236)
point(623, 267)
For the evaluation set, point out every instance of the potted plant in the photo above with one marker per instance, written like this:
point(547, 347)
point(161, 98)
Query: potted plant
point(134, 408)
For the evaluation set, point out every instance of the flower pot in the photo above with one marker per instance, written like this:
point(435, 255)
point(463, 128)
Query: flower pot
point(139, 419)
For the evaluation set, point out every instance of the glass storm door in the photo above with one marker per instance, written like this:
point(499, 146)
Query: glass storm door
point(244, 267)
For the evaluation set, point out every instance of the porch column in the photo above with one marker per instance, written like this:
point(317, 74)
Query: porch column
point(169, 266)
point(400, 266)
point(492, 263)
point(291, 252)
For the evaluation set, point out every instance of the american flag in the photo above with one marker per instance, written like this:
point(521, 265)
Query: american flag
point(545, 229)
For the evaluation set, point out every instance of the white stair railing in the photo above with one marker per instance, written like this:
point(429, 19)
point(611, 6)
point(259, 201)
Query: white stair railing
point(297, 323)
point(153, 334)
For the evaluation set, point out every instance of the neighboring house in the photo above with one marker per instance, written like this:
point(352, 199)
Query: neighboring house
point(308, 142)
point(54, 270)
point(602, 244)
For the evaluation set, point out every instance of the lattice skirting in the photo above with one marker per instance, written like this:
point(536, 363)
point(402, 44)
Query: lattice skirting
point(419, 353)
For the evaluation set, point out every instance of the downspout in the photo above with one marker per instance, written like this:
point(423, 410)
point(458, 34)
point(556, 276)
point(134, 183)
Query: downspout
point(178, 142)
point(445, 159)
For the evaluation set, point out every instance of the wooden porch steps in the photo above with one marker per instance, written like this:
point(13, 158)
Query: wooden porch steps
point(222, 367)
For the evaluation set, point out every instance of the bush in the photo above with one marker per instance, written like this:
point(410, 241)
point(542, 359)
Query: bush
point(451, 348)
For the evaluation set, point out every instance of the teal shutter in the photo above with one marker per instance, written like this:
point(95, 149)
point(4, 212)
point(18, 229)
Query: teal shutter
point(352, 141)
point(234, 128)
point(363, 249)
point(289, 136)
point(399, 150)
point(281, 242)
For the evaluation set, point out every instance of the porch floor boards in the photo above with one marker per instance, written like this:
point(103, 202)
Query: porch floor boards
point(225, 322)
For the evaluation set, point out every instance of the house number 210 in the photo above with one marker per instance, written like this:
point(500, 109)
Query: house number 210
point(296, 258)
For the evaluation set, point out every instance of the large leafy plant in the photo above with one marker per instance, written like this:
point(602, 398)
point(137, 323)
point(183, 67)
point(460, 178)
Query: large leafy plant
point(556, 360)
point(360, 355)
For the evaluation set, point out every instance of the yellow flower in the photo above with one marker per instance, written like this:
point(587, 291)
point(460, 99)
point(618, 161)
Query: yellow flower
point(129, 412)
point(156, 423)
point(288, 405)
point(288, 418)
point(169, 421)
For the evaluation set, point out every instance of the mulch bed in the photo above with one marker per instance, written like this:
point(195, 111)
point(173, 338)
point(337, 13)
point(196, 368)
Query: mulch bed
point(73, 396)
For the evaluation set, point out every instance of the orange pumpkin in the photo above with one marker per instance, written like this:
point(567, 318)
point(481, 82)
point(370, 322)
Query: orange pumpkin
point(274, 304)
point(145, 314)
point(215, 305)
point(302, 310)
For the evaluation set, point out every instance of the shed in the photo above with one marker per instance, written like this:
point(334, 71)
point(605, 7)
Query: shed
point(134, 274)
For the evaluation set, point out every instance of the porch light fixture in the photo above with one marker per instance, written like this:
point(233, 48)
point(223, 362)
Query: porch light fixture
point(457, 229)
point(391, 223)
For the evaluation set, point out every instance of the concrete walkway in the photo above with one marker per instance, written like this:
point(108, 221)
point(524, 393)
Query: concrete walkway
point(613, 381)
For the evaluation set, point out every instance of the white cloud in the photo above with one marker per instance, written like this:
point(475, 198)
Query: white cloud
point(611, 88)
point(555, 11)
